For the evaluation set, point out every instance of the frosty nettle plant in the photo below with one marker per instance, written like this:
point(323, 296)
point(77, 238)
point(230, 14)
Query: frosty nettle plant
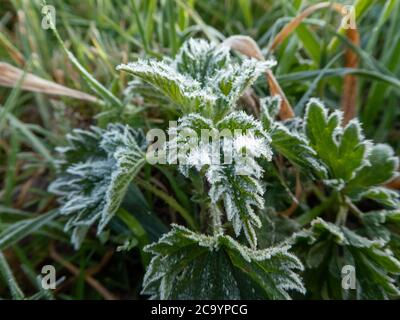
point(237, 246)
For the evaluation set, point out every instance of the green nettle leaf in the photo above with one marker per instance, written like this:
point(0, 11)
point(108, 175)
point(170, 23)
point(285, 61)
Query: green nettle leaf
point(294, 146)
point(182, 90)
point(94, 173)
point(343, 150)
point(202, 78)
point(230, 83)
point(201, 59)
point(237, 181)
point(188, 265)
point(380, 168)
point(385, 225)
point(269, 111)
point(326, 248)
point(355, 165)
point(382, 195)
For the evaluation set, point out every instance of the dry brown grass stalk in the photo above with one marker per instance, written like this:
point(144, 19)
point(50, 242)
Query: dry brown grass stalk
point(10, 75)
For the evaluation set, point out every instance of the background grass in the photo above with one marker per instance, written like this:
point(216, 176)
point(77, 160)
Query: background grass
point(104, 33)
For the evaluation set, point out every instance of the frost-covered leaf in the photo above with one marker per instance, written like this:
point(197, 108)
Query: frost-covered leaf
point(234, 179)
point(326, 248)
point(385, 225)
point(275, 228)
point(295, 148)
point(201, 59)
point(95, 170)
point(380, 168)
point(287, 141)
point(202, 78)
point(184, 91)
point(382, 224)
point(355, 165)
point(343, 150)
point(230, 83)
point(270, 107)
point(382, 195)
point(187, 265)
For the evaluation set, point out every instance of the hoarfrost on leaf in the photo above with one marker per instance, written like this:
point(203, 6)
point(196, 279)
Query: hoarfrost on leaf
point(202, 78)
point(236, 182)
point(94, 172)
point(187, 265)
point(327, 244)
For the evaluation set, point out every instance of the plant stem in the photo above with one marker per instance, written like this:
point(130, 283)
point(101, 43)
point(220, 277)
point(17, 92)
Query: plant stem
point(216, 220)
point(353, 208)
point(315, 212)
point(343, 210)
point(170, 201)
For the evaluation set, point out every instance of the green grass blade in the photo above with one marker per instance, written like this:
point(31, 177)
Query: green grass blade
point(384, 16)
point(17, 231)
point(302, 102)
point(360, 7)
point(96, 86)
point(11, 101)
point(339, 72)
point(173, 41)
point(139, 23)
point(36, 143)
point(8, 277)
